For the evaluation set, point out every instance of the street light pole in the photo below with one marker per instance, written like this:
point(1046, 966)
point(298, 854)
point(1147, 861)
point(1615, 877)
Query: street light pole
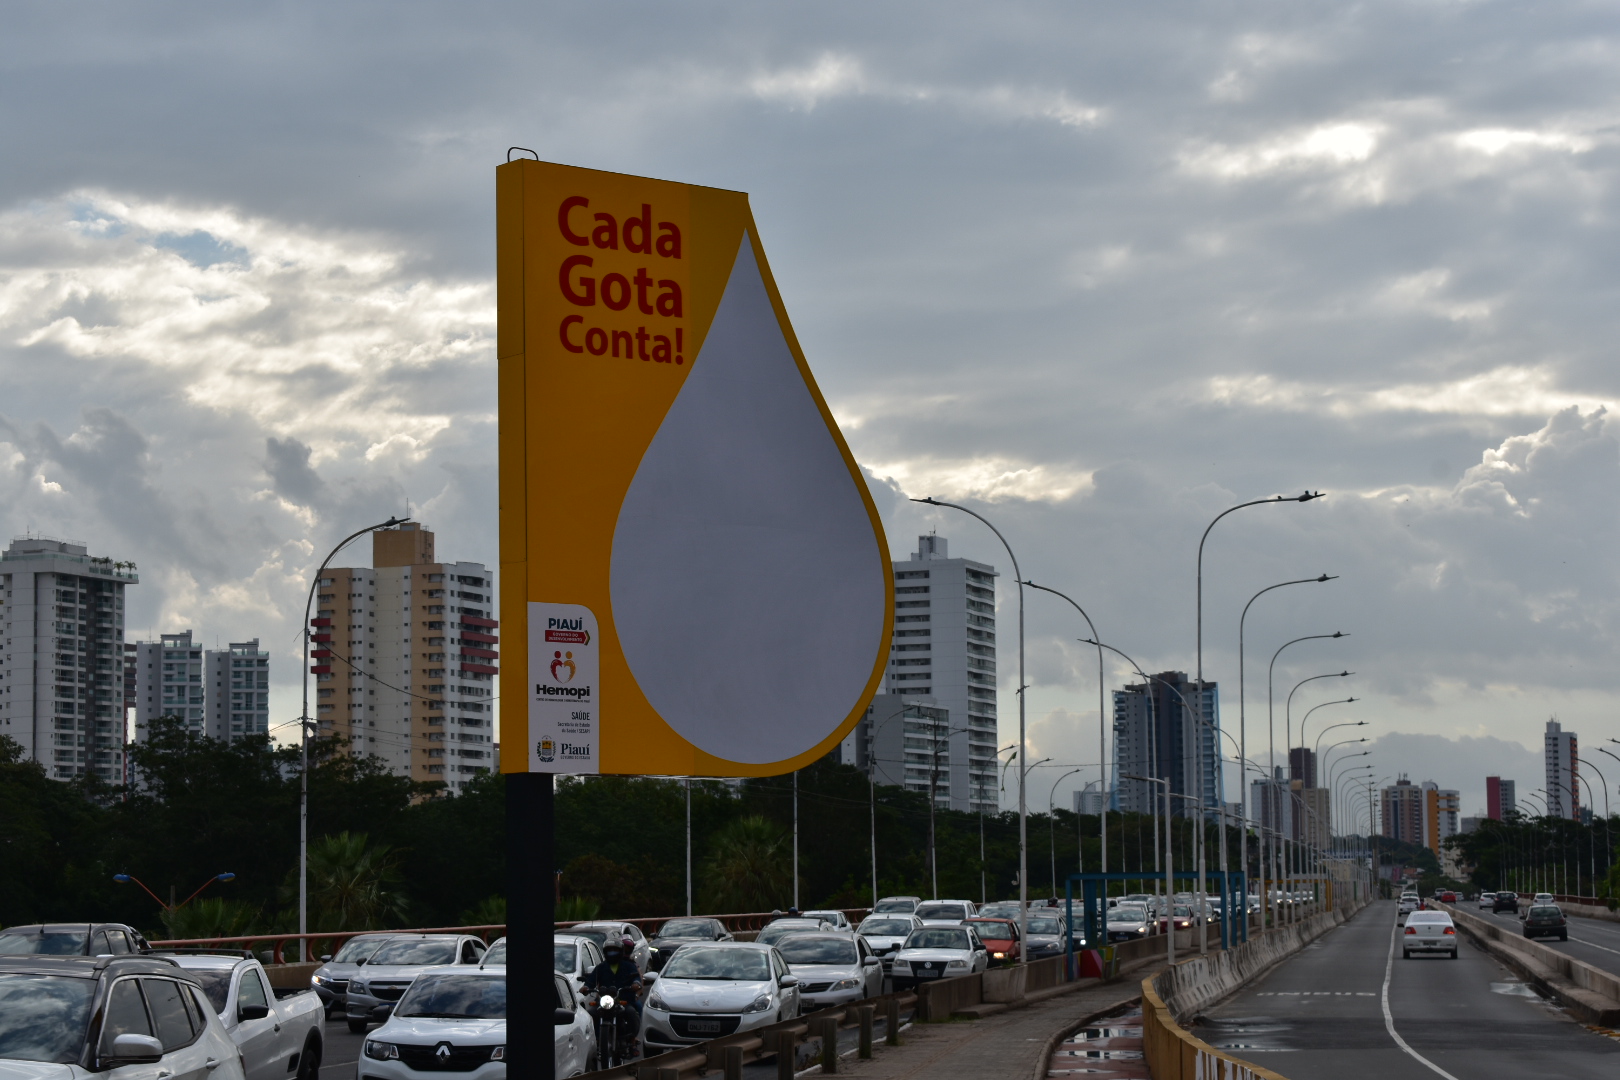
point(1243, 728)
point(1023, 801)
point(1102, 723)
point(1198, 757)
point(304, 725)
point(1051, 824)
point(1271, 759)
point(1307, 716)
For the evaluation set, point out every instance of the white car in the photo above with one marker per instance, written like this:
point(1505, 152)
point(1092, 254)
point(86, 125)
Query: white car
point(708, 990)
point(835, 919)
point(833, 968)
point(897, 905)
point(447, 1020)
point(1429, 931)
point(120, 1017)
point(1543, 898)
point(331, 979)
point(945, 912)
point(494, 956)
point(886, 933)
point(1487, 900)
point(938, 952)
point(1128, 922)
point(600, 930)
point(1408, 904)
point(575, 956)
point(279, 1034)
point(373, 992)
point(781, 928)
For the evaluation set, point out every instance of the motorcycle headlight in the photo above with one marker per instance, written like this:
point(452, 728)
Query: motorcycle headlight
point(846, 984)
point(656, 1002)
point(759, 1004)
point(381, 1051)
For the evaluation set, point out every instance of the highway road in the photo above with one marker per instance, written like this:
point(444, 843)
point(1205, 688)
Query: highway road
point(1595, 941)
point(1348, 1007)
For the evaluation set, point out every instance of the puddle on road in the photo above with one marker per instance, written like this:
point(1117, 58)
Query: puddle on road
point(1514, 989)
point(1243, 1033)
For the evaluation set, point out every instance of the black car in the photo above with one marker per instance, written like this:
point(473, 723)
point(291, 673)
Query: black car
point(677, 932)
point(1546, 920)
point(72, 939)
point(1506, 901)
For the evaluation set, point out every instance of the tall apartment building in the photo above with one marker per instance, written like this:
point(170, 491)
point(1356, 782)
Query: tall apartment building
point(1302, 765)
point(944, 651)
point(221, 693)
point(1314, 808)
point(1441, 809)
point(1501, 798)
point(902, 740)
point(1402, 811)
point(1157, 734)
point(1271, 801)
point(1090, 799)
point(61, 674)
point(404, 659)
point(1563, 761)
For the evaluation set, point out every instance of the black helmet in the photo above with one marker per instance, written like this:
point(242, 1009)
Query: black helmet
point(613, 950)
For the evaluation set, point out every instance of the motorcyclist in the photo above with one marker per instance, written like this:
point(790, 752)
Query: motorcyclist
point(616, 972)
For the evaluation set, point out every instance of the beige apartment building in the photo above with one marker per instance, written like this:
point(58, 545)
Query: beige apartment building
point(404, 657)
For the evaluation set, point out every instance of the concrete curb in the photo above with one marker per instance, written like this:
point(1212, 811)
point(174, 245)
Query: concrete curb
point(1033, 997)
point(1548, 970)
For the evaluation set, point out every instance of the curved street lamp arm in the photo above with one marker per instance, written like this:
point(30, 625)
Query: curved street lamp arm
point(1313, 708)
point(1330, 727)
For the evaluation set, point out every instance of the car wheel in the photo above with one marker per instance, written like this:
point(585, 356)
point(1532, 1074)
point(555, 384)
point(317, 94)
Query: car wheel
point(1406, 954)
point(1564, 936)
point(309, 1061)
point(1454, 954)
point(357, 1027)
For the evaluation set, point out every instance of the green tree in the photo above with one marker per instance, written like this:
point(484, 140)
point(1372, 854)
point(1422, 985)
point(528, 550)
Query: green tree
point(211, 917)
point(749, 867)
point(353, 884)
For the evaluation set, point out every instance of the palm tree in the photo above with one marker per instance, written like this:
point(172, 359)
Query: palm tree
point(747, 867)
point(354, 885)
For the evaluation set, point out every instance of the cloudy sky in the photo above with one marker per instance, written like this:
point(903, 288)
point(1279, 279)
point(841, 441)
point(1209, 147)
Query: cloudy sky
point(1100, 270)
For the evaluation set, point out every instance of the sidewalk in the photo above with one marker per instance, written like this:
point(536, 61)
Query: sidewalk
point(1013, 1045)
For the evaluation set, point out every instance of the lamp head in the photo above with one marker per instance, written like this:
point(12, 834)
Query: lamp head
point(122, 879)
point(1308, 496)
point(1328, 577)
point(227, 876)
point(929, 499)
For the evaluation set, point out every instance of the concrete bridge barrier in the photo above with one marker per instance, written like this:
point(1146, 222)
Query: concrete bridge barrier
point(1588, 992)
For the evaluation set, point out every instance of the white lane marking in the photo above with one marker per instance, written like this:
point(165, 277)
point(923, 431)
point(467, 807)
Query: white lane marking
point(1595, 945)
point(1389, 1017)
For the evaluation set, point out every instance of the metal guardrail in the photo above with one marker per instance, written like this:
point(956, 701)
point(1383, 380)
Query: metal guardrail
point(729, 1053)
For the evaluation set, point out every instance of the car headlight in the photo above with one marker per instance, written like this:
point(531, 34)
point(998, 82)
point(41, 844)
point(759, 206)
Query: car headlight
point(999, 955)
point(847, 984)
point(318, 980)
point(956, 964)
point(902, 965)
point(358, 986)
point(498, 1054)
point(759, 1004)
point(381, 1051)
point(656, 1002)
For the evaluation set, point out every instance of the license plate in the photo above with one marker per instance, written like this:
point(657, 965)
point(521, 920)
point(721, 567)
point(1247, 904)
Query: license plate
point(703, 1025)
point(925, 973)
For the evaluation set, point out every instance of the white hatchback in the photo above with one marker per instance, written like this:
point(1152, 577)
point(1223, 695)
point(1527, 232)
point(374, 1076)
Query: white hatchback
point(938, 952)
point(709, 989)
point(1429, 932)
point(945, 912)
point(448, 1019)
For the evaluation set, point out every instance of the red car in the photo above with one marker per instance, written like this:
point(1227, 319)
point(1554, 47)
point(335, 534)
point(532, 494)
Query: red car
point(1000, 936)
point(1446, 897)
point(1184, 917)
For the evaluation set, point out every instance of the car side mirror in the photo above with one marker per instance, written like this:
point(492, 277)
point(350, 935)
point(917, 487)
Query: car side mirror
point(137, 1049)
point(787, 981)
point(649, 976)
point(360, 962)
point(252, 1012)
point(871, 961)
point(326, 958)
point(560, 1017)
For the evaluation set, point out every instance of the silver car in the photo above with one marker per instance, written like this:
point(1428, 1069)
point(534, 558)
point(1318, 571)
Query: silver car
point(374, 992)
point(712, 989)
point(1128, 922)
point(945, 912)
point(833, 969)
point(331, 979)
point(833, 918)
point(886, 933)
point(1048, 935)
point(1429, 931)
point(781, 928)
point(602, 930)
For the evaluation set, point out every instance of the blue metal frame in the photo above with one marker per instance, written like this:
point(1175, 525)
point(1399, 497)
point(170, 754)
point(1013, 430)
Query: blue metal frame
point(1233, 887)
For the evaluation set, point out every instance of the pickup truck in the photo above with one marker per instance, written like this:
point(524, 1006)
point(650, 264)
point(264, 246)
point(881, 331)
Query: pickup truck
point(278, 1031)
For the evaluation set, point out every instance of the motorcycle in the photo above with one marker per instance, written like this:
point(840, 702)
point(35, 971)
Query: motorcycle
point(617, 1026)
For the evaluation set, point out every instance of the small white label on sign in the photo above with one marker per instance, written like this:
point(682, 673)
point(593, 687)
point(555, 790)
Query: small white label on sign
point(564, 700)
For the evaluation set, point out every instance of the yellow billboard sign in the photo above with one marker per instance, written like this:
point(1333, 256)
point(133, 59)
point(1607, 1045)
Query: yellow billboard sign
point(694, 577)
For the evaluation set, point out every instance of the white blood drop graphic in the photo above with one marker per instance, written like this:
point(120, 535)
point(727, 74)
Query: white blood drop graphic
point(747, 581)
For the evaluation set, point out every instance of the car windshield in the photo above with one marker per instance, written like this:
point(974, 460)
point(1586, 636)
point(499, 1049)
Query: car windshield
point(56, 943)
point(1001, 931)
point(1545, 911)
point(895, 907)
point(43, 1017)
point(1127, 913)
point(563, 955)
point(216, 985)
point(1045, 926)
point(941, 911)
point(1183, 911)
point(690, 929)
point(814, 950)
point(1428, 917)
point(779, 930)
point(737, 965)
point(938, 937)
point(455, 997)
point(496, 954)
point(356, 949)
point(597, 935)
point(414, 952)
point(833, 917)
point(873, 926)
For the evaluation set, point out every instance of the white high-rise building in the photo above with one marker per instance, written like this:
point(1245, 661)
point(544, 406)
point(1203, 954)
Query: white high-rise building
point(221, 693)
point(62, 671)
point(404, 659)
point(1563, 766)
point(944, 652)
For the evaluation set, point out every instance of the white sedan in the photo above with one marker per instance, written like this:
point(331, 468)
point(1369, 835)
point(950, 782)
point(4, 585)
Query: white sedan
point(1429, 931)
point(886, 933)
point(447, 1019)
point(712, 989)
point(833, 968)
point(938, 952)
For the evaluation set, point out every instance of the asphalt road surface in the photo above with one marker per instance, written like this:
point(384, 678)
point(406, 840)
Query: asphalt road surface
point(1348, 1007)
point(1595, 941)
